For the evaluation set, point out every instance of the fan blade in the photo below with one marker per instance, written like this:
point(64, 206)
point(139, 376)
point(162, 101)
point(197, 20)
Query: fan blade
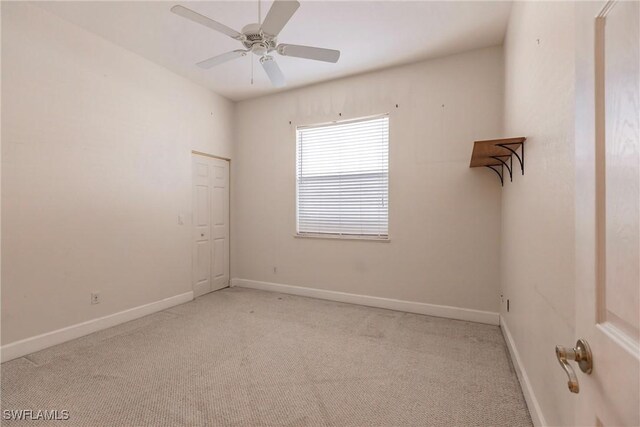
point(217, 60)
point(308, 52)
point(273, 71)
point(203, 20)
point(278, 16)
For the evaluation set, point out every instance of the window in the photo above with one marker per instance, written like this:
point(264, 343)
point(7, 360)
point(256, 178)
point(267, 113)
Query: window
point(343, 178)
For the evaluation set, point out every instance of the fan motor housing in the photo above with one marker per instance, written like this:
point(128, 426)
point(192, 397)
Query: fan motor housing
point(256, 41)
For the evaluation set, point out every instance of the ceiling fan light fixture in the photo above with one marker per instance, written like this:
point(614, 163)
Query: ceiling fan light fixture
point(260, 49)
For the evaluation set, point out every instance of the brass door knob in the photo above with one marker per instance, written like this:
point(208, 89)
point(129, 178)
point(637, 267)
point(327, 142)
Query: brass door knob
point(581, 354)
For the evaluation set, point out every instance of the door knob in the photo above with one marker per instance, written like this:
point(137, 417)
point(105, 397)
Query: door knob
point(581, 354)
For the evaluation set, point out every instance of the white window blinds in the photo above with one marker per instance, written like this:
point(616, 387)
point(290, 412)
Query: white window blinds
point(343, 178)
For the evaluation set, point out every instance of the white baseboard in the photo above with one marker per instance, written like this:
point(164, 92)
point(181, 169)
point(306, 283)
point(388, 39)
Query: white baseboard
point(30, 345)
point(458, 313)
point(532, 403)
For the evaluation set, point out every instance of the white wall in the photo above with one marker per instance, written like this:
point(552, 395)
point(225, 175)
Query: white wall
point(538, 268)
point(96, 168)
point(444, 217)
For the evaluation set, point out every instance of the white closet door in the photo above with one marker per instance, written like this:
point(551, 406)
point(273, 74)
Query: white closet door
point(210, 224)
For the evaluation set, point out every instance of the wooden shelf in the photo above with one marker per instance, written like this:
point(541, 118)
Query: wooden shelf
point(498, 153)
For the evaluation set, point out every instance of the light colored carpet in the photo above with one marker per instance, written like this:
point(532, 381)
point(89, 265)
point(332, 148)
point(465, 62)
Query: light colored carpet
point(251, 358)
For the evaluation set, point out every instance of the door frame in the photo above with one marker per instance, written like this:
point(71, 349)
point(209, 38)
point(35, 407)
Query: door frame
point(226, 159)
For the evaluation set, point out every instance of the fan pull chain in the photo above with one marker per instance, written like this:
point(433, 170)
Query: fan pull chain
point(251, 59)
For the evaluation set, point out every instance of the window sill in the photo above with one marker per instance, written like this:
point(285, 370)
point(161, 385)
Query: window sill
point(342, 237)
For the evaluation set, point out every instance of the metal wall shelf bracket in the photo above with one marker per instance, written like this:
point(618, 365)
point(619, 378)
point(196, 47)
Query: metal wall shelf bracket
point(515, 152)
point(499, 173)
point(509, 165)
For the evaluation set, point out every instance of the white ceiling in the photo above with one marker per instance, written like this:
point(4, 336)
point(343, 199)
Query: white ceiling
point(370, 34)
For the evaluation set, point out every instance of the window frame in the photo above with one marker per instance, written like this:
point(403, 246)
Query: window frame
point(337, 236)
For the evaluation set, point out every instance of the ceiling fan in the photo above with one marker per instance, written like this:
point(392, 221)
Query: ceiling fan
point(261, 39)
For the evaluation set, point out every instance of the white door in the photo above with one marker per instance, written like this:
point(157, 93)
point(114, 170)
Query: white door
point(608, 211)
point(210, 224)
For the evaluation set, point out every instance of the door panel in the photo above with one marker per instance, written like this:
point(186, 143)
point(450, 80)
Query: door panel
point(218, 267)
point(210, 224)
point(620, 303)
point(220, 221)
point(218, 207)
point(203, 262)
point(608, 210)
point(202, 205)
point(201, 226)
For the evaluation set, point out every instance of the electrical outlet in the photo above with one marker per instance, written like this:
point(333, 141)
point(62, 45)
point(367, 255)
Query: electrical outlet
point(95, 297)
